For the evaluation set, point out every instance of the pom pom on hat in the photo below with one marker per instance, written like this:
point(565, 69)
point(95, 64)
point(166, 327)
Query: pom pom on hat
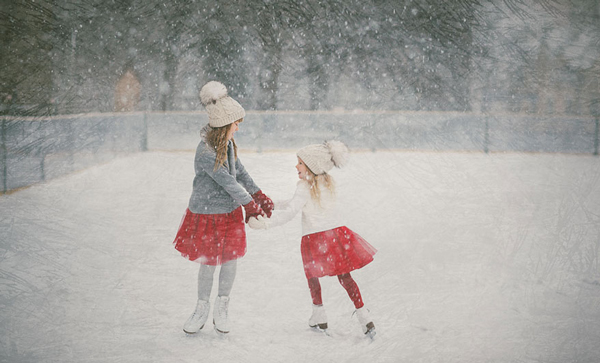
point(212, 91)
point(222, 110)
point(338, 151)
point(320, 158)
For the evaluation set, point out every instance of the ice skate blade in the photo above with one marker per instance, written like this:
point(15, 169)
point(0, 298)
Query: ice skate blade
point(193, 332)
point(319, 330)
point(321, 326)
point(220, 332)
point(371, 333)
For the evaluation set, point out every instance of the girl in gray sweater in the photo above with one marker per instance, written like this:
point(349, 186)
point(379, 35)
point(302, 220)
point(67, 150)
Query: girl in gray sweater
point(212, 231)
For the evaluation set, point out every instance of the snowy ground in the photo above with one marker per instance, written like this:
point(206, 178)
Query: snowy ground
point(482, 258)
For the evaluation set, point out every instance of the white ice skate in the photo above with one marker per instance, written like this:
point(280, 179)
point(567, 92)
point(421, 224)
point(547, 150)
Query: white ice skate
point(198, 318)
point(318, 319)
point(365, 321)
point(221, 314)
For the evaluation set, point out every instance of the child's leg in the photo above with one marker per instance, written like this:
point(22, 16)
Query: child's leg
point(315, 290)
point(226, 277)
point(318, 319)
point(205, 281)
point(220, 312)
point(351, 287)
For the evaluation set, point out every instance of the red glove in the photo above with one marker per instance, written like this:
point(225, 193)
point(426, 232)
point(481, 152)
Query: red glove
point(265, 202)
point(253, 210)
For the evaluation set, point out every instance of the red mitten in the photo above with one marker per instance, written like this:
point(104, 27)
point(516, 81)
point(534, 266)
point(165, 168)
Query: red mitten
point(265, 202)
point(253, 210)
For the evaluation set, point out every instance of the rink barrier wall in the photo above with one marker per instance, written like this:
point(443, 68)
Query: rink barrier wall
point(35, 150)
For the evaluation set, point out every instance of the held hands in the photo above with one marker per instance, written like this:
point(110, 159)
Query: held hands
point(265, 202)
point(259, 222)
point(253, 210)
point(260, 207)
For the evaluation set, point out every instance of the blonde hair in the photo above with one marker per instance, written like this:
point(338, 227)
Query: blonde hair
point(216, 138)
point(316, 181)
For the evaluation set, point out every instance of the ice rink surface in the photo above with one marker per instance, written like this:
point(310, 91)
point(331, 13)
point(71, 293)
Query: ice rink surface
point(481, 258)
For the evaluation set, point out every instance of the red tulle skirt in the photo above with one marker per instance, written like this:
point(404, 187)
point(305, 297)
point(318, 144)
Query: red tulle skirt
point(212, 239)
point(334, 252)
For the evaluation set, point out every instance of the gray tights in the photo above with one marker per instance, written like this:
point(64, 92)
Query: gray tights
point(226, 277)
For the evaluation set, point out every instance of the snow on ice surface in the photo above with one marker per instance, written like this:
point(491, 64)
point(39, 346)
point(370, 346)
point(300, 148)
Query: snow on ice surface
point(482, 258)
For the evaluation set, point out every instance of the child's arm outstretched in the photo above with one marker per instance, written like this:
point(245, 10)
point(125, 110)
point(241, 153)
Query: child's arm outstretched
point(248, 183)
point(286, 214)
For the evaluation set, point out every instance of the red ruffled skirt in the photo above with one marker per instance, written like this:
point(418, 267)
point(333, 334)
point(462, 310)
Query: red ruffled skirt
point(334, 252)
point(212, 239)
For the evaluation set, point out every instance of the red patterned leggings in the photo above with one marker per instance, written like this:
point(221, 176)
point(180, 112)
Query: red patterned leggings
point(347, 283)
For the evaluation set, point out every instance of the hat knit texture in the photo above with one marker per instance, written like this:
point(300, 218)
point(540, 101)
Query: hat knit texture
point(222, 109)
point(320, 158)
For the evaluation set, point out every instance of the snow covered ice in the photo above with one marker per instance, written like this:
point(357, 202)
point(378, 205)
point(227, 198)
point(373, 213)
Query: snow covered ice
point(481, 258)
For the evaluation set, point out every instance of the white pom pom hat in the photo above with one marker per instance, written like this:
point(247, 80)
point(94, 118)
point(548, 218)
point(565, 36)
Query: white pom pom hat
point(320, 158)
point(222, 109)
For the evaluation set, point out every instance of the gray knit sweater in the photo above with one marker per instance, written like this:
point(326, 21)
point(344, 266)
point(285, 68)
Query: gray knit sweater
point(223, 190)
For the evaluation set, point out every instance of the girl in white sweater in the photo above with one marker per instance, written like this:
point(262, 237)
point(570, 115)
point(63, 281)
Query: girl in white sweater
point(328, 247)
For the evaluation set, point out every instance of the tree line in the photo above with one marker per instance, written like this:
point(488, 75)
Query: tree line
point(537, 56)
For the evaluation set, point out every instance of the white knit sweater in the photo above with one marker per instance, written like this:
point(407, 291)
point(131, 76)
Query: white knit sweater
point(316, 217)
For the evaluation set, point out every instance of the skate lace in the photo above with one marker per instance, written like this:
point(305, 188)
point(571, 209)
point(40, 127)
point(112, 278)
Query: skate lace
point(360, 317)
point(198, 312)
point(223, 311)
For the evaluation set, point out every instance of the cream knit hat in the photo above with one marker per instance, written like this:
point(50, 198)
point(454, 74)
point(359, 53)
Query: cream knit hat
point(222, 109)
point(320, 158)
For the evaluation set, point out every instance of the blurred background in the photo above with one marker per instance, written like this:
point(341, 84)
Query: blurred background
point(74, 56)
point(84, 80)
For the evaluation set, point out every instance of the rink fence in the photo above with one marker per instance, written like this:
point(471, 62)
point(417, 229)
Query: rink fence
point(35, 150)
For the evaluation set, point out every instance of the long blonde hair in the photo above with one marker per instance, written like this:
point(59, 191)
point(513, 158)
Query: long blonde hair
point(216, 138)
point(316, 181)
